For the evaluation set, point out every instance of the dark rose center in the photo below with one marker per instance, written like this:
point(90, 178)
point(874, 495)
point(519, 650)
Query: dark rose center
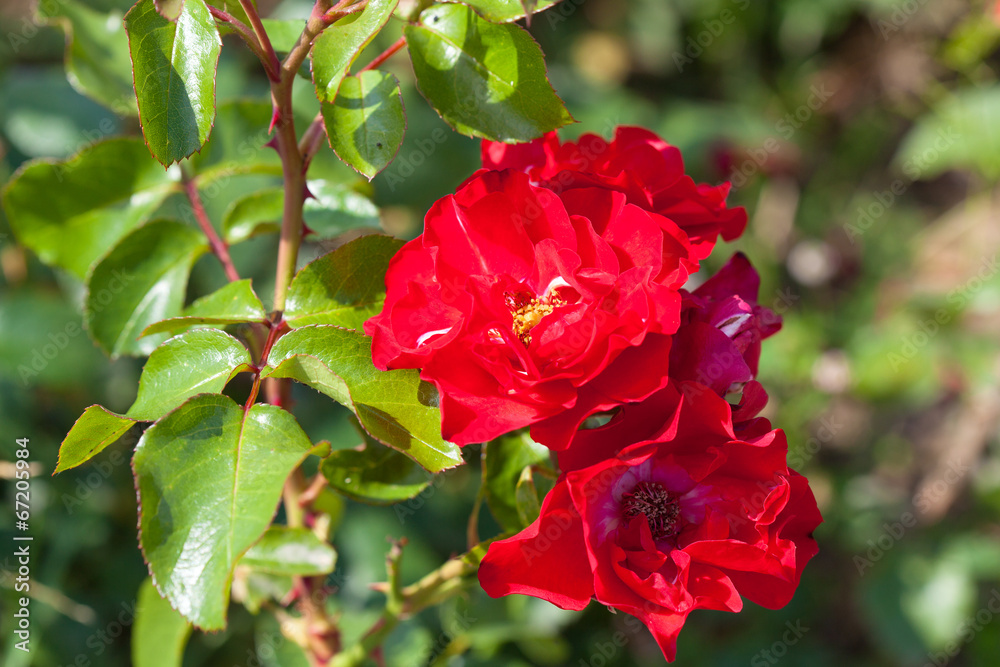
point(658, 505)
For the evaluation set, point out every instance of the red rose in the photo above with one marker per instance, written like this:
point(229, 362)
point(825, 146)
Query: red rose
point(722, 326)
point(662, 513)
point(648, 170)
point(528, 307)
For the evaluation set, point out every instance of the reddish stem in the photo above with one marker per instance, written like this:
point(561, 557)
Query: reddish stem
point(385, 55)
point(219, 247)
point(272, 64)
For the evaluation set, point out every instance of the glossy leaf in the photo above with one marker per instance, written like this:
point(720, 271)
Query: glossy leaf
point(335, 49)
point(173, 63)
point(202, 361)
point(344, 287)
point(253, 588)
point(97, 57)
point(290, 551)
point(332, 210)
point(209, 479)
point(376, 474)
point(256, 213)
point(141, 281)
point(93, 432)
point(394, 407)
point(160, 633)
point(69, 212)
point(485, 79)
point(504, 11)
point(505, 461)
point(234, 303)
point(366, 123)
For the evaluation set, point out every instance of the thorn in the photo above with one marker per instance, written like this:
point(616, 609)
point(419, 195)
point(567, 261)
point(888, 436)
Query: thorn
point(275, 119)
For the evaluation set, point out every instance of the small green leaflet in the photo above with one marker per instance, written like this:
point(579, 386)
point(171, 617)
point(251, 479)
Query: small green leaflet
point(366, 123)
point(335, 49)
point(93, 432)
point(235, 303)
point(344, 287)
point(202, 361)
point(485, 79)
point(160, 633)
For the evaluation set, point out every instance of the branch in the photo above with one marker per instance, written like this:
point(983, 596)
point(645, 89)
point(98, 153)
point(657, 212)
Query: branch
point(219, 247)
point(271, 65)
point(385, 55)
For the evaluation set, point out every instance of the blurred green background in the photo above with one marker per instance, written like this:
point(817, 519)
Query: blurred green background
point(864, 139)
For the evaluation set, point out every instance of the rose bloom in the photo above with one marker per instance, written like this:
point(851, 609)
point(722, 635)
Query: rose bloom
point(637, 163)
point(668, 511)
point(528, 307)
point(533, 305)
point(718, 342)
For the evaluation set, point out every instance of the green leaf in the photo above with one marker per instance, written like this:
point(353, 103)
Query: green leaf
point(253, 588)
point(160, 633)
point(505, 11)
point(141, 281)
point(394, 407)
point(366, 123)
point(344, 287)
point(97, 57)
point(234, 303)
point(283, 33)
point(93, 432)
point(256, 213)
point(202, 361)
point(485, 79)
point(69, 212)
point(335, 49)
point(503, 466)
point(376, 474)
point(284, 550)
point(174, 72)
point(332, 210)
point(526, 497)
point(209, 479)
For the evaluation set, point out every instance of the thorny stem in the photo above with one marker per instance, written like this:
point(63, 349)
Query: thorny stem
point(219, 247)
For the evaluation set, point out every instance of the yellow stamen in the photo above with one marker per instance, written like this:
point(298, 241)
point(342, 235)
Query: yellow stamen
point(528, 315)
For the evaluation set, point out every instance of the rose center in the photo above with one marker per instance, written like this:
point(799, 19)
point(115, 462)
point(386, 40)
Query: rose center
point(658, 505)
point(527, 311)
